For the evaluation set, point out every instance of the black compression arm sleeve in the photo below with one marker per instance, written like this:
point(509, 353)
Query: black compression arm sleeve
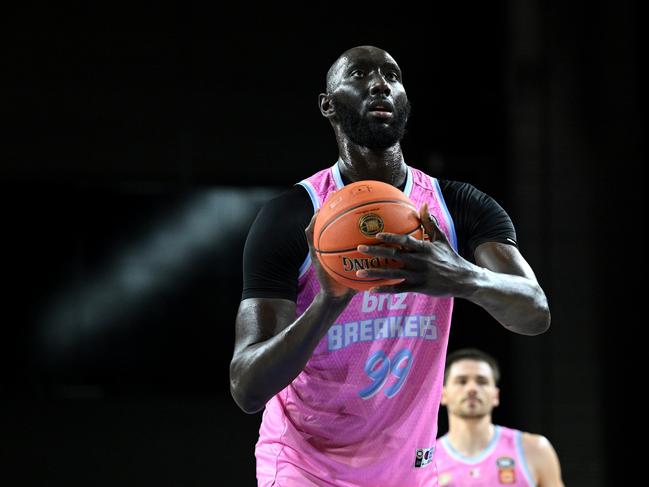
point(478, 218)
point(276, 246)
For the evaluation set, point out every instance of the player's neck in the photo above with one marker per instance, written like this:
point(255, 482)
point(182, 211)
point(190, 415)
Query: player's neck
point(470, 436)
point(387, 167)
point(358, 163)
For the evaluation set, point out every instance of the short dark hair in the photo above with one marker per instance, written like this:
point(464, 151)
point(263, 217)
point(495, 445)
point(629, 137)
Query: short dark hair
point(471, 354)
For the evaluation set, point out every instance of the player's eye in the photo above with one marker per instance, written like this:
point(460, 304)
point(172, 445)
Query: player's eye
point(392, 76)
point(357, 73)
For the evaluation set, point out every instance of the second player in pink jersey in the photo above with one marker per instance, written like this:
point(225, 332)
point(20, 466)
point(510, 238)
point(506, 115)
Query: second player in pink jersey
point(476, 452)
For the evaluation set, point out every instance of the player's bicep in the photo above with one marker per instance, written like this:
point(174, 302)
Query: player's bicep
point(259, 319)
point(503, 258)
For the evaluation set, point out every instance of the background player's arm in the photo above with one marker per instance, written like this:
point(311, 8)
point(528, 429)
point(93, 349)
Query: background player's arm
point(272, 346)
point(542, 460)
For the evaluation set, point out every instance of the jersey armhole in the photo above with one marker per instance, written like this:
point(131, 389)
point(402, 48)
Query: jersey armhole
point(518, 435)
point(449, 218)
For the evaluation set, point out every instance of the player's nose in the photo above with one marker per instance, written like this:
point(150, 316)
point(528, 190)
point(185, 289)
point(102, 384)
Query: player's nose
point(379, 86)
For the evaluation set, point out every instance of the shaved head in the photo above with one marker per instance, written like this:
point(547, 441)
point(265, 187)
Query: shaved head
point(365, 100)
point(334, 73)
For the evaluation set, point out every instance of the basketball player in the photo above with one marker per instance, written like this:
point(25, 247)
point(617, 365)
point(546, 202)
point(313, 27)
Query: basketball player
point(477, 452)
point(351, 382)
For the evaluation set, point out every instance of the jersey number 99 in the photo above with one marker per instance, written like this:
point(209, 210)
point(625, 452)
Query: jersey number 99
point(378, 368)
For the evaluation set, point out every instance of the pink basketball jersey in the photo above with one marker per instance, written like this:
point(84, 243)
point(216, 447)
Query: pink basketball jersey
point(363, 412)
point(501, 463)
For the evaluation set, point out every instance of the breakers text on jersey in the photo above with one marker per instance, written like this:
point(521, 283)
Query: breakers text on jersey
point(341, 335)
point(412, 326)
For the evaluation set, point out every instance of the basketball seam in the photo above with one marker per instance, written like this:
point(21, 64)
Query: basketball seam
point(354, 248)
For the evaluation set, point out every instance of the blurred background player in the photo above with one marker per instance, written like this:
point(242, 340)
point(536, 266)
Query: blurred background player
point(477, 452)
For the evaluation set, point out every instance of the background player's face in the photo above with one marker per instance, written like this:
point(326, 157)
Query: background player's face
point(470, 390)
point(364, 79)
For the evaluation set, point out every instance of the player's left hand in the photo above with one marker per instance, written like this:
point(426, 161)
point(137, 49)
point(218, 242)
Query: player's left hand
point(430, 267)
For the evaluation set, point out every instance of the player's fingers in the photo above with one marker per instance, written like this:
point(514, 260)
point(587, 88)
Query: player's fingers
point(384, 273)
point(431, 225)
point(386, 251)
point(406, 241)
point(309, 229)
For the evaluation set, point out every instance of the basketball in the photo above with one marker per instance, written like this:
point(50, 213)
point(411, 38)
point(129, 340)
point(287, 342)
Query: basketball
point(352, 216)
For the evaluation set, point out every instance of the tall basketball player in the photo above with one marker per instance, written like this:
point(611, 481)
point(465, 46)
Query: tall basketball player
point(351, 382)
point(476, 452)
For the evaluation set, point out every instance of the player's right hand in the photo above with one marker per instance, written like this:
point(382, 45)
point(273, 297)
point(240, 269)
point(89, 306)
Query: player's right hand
point(329, 286)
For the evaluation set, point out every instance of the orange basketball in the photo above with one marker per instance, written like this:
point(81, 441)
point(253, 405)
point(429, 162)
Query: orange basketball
point(352, 216)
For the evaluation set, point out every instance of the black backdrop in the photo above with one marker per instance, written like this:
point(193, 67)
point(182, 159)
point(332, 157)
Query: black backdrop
point(139, 146)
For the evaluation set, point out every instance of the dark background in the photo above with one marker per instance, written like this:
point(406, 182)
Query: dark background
point(140, 143)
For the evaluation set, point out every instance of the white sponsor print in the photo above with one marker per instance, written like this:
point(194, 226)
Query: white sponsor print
point(380, 302)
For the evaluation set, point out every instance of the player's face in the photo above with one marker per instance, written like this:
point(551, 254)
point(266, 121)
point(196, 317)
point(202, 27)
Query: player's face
point(369, 99)
point(470, 390)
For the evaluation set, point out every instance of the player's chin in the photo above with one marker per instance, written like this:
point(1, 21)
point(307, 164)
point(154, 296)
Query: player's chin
point(379, 121)
point(476, 412)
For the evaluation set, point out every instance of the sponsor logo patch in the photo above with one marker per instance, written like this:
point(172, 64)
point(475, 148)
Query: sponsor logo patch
point(423, 456)
point(506, 473)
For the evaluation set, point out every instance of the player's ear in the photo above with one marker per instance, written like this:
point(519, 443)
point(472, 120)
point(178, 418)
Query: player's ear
point(497, 397)
point(443, 403)
point(326, 105)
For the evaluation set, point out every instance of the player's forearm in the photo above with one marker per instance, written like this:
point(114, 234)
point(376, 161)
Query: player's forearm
point(263, 369)
point(518, 303)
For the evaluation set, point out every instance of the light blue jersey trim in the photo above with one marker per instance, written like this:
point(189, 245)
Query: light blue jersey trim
point(316, 204)
point(518, 440)
point(472, 460)
point(335, 170)
point(407, 189)
point(312, 193)
point(440, 197)
point(305, 265)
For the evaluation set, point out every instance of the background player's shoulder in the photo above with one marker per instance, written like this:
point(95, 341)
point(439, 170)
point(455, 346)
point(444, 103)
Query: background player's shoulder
point(541, 458)
point(533, 441)
point(537, 448)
